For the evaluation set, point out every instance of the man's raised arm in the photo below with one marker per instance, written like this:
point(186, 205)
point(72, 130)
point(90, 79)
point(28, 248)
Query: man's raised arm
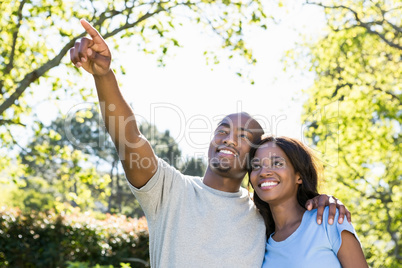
point(135, 152)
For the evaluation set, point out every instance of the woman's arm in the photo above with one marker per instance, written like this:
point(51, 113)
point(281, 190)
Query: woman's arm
point(350, 253)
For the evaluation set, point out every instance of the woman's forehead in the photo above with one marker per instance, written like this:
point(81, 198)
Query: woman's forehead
point(270, 149)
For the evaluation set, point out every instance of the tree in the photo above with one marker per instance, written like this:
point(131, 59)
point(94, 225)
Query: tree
point(36, 35)
point(55, 173)
point(194, 167)
point(353, 118)
point(74, 160)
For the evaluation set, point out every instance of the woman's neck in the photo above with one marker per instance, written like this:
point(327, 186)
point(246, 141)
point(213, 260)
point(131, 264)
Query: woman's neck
point(287, 217)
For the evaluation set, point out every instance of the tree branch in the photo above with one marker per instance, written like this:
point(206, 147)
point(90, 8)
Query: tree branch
point(338, 87)
point(390, 43)
point(131, 25)
point(10, 122)
point(383, 13)
point(360, 23)
point(396, 28)
point(393, 234)
point(393, 96)
point(10, 64)
point(357, 175)
point(36, 74)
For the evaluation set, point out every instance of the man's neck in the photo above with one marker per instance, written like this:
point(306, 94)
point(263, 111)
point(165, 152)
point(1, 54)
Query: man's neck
point(221, 183)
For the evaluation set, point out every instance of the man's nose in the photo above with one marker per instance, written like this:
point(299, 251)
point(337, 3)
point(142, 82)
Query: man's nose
point(230, 140)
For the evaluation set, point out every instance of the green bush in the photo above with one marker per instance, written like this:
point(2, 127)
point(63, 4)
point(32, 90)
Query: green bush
point(46, 239)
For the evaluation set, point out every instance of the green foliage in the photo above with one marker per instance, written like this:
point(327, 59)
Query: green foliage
point(36, 36)
point(39, 239)
point(72, 162)
point(87, 265)
point(65, 172)
point(194, 167)
point(162, 143)
point(353, 118)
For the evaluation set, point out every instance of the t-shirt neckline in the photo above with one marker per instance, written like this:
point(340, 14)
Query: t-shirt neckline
point(223, 193)
point(293, 236)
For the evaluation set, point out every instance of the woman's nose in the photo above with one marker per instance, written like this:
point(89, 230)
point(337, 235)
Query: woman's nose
point(266, 171)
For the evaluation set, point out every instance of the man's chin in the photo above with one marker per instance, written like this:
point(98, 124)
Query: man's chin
point(220, 167)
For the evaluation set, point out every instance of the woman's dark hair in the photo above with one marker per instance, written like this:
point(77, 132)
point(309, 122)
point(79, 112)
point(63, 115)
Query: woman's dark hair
point(303, 161)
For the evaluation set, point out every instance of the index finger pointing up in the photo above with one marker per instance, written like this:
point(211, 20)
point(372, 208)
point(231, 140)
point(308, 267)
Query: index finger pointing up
point(89, 29)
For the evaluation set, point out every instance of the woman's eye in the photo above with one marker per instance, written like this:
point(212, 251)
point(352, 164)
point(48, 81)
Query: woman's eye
point(255, 167)
point(221, 131)
point(279, 164)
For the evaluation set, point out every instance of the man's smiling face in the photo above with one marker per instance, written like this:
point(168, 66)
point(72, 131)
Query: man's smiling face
point(231, 143)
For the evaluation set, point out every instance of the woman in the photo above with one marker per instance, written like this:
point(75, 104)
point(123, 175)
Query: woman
point(284, 175)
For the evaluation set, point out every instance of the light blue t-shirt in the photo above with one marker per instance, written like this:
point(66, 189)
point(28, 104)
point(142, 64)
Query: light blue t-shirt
point(311, 245)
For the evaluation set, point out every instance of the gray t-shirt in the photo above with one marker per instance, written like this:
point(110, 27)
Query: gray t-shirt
point(193, 225)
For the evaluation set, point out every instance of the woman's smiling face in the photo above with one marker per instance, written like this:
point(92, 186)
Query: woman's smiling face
point(273, 176)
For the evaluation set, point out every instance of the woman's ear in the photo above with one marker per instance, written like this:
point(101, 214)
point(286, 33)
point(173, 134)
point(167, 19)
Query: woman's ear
point(298, 179)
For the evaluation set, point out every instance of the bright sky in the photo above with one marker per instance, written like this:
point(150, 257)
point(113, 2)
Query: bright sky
point(188, 98)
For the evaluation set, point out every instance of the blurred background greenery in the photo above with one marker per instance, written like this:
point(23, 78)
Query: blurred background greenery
point(63, 197)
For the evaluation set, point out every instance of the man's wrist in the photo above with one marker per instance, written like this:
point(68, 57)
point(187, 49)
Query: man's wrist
point(107, 75)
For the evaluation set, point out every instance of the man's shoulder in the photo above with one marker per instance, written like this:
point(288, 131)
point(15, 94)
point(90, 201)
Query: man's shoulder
point(165, 165)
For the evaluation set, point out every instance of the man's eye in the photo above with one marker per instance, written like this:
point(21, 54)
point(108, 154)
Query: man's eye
point(220, 131)
point(244, 136)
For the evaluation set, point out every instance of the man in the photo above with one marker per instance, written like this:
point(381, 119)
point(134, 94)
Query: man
point(193, 222)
